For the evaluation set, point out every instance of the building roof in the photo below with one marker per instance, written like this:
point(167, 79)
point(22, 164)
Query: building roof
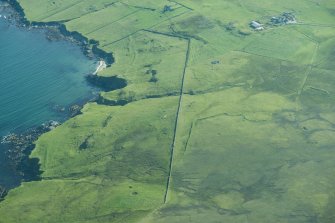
point(255, 24)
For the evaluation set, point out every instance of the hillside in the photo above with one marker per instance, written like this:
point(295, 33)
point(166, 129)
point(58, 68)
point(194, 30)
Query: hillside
point(218, 122)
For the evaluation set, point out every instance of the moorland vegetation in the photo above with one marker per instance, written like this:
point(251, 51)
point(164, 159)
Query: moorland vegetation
point(217, 122)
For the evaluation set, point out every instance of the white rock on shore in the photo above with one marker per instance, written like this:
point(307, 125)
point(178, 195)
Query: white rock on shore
point(101, 66)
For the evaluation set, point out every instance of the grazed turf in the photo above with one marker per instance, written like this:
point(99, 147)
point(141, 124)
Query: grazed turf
point(253, 134)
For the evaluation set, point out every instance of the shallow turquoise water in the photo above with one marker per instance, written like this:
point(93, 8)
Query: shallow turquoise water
point(36, 76)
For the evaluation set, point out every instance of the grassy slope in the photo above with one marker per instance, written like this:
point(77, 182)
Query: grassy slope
point(254, 139)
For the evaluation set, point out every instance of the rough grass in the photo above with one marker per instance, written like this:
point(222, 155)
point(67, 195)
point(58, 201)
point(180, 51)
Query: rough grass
point(153, 64)
point(252, 157)
point(61, 10)
point(118, 160)
point(254, 138)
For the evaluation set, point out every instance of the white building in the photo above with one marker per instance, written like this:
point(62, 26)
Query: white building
point(256, 26)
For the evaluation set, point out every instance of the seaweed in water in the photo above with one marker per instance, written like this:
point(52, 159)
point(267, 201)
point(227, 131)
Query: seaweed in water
point(3, 193)
point(106, 83)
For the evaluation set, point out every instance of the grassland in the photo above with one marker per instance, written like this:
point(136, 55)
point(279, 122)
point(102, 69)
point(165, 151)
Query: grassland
point(221, 123)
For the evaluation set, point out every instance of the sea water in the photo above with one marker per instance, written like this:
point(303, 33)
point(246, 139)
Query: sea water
point(38, 80)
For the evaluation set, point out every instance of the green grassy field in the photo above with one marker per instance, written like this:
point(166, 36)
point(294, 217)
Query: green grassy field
point(222, 123)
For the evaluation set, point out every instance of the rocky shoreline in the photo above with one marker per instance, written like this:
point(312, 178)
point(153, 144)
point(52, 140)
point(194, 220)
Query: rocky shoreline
point(3, 193)
point(57, 31)
point(20, 145)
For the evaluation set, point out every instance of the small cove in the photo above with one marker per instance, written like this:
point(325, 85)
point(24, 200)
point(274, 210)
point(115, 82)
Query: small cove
point(39, 81)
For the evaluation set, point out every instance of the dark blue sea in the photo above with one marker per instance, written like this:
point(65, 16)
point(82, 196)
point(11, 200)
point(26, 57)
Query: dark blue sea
point(38, 78)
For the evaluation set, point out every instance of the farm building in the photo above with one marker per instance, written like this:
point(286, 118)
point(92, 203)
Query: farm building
point(256, 25)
